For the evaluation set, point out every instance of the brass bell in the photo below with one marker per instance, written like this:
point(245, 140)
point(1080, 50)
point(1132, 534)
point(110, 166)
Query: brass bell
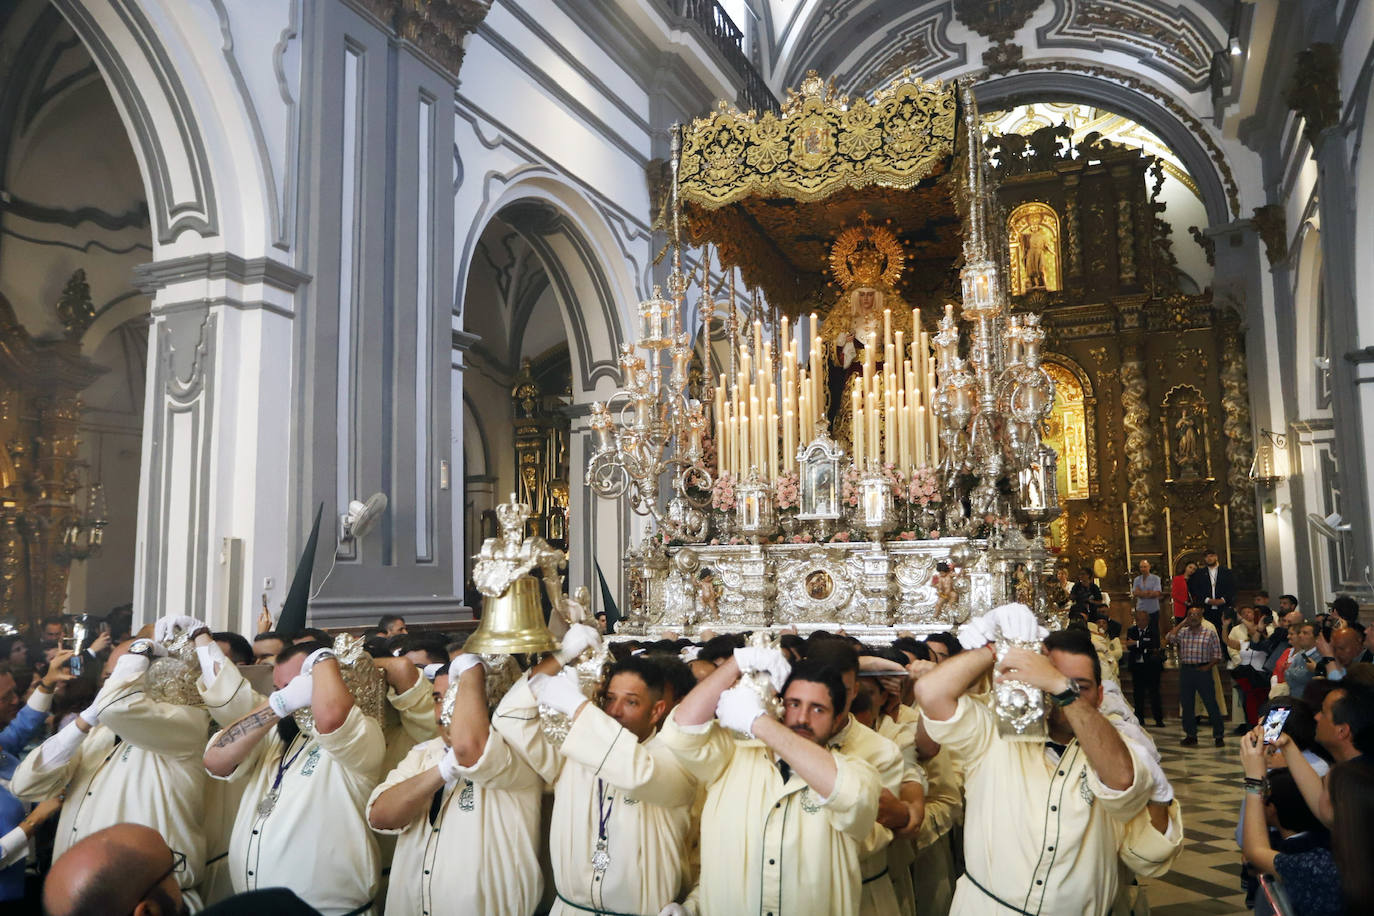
point(512, 623)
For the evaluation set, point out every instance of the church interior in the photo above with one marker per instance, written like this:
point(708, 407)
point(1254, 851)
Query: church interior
point(758, 318)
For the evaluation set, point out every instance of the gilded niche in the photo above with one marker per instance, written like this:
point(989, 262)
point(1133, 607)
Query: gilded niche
point(1033, 240)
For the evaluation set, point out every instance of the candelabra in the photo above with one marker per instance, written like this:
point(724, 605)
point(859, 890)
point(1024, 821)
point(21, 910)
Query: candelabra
point(990, 404)
point(652, 427)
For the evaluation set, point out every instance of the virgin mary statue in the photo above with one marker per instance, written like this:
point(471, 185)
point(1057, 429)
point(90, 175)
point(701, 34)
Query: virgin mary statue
point(866, 262)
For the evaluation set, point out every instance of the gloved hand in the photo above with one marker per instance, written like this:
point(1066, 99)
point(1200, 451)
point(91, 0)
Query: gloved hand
point(91, 715)
point(211, 661)
point(738, 708)
point(295, 695)
point(165, 628)
point(313, 657)
point(770, 661)
point(577, 640)
point(460, 664)
point(448, 767)
point(978, 632)
point(431, 671)
point(558, 692)
point(1017, 622)
point(129, 667)
point(674, 909)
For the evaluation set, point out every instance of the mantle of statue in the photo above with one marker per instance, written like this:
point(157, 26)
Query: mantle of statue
point(870, 589)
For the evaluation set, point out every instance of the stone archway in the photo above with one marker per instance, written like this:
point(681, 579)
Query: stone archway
point(545, 254)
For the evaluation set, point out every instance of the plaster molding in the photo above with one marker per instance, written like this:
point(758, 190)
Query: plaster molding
point(218, 266)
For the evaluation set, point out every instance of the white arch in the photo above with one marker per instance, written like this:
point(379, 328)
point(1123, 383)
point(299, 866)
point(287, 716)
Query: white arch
point(597, 272)
point(209, 184)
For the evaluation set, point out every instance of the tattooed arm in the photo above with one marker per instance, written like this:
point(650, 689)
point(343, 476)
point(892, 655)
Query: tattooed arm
point(232, 746)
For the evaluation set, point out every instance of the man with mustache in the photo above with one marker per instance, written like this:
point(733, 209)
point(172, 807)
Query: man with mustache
point(622, 802)
point(787, 816)
point(300, 823)
point(1043, 822)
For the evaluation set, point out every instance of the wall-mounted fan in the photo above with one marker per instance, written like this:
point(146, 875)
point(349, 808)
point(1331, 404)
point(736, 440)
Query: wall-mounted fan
point(361, 517)
point(358, 519)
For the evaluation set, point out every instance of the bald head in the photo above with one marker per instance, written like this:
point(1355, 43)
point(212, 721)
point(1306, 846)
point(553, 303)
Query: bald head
point(1346, 645)
point(115, 870)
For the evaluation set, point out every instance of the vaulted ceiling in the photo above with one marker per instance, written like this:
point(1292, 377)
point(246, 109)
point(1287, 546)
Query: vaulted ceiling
point(863, 43)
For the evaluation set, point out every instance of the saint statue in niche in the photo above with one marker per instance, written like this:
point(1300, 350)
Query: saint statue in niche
point(1033, 238)
point(1186, 439)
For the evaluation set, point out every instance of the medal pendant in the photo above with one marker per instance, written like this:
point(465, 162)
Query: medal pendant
point(601, 859)
point(267, 804)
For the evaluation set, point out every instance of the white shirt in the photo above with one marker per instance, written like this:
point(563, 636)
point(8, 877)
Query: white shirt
point(315, 840)
point(481, 854)
point(1041, 836)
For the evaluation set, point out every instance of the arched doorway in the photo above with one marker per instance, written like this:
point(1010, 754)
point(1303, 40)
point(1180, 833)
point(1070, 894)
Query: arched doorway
point(73, 227)
point(545, 304)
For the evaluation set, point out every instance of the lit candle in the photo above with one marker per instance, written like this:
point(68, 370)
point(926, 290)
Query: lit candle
point(789, 437)
point(918, 430)
point(887, 327)
point(772, 436)
point(890, 432)
point(744, 445)
point(904, 433)
point(873, 420)
point(857, 429)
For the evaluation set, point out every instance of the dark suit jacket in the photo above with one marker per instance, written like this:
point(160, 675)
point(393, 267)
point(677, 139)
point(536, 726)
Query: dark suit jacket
point(1200, 585)
point(272, 901)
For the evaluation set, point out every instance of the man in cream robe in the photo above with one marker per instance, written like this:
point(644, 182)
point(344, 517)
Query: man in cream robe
point(465, 814)
point(784, 817)
point(300, 822)
point(621, 799)
point(127, 758)
point(1043, 823)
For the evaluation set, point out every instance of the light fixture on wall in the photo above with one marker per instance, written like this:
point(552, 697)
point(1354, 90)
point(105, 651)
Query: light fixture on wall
point(1270, 465)
point(84, 534)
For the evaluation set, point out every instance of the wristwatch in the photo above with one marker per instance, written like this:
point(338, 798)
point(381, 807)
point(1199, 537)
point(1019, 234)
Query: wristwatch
point(1067, 695)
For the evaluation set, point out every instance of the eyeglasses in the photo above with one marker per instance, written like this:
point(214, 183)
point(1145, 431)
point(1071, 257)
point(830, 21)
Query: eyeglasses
point(178, 866)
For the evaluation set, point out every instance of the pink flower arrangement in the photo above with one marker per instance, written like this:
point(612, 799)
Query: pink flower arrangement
point(787, 492)
point(800, 539)
point(849, 490)
point(924, 487)
point(723, 492)
point(841, 536)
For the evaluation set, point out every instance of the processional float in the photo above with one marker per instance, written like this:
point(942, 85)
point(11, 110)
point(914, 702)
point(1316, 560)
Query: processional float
point(857, 443)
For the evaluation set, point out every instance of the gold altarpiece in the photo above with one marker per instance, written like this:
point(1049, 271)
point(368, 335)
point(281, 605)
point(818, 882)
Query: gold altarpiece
point(42, 519)
point(1153, 378)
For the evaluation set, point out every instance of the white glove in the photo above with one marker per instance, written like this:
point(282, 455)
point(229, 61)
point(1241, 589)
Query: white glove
point(431, 671)
point(559, 692)
point(129, 667)
point(165, 628)
point(770, 661)
point(738, 708)
point(977, 633)
point(211, 661)
point(315, 656)
point(295, 695)
point(91, 715)
point(688, 654)
point(448, 767)
point(577, 640)
point(674, 909)
point(460, 664)
point(1017, 622)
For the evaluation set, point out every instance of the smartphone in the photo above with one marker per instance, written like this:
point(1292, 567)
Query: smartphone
point(75, 663)
point(1273, 723)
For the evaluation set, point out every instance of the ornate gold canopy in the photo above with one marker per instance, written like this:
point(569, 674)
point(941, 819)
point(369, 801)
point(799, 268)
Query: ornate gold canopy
point(773, 192)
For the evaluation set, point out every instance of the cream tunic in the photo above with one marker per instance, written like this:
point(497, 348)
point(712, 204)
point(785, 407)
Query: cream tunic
point(770, 848)
point(412, 722)
point(315, 840)
point(151, 775)
point(645, 793)
point(858, 740)
point(481, 856)
point(228, 698)
point(1041, 836)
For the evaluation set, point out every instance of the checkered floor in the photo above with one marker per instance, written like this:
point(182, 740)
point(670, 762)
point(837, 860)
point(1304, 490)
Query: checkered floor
point(1206, 780)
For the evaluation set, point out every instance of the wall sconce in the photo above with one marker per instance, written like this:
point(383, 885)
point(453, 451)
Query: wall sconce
point(1271, 464)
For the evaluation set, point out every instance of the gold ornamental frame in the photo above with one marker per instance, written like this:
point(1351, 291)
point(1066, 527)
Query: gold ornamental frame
point(771, 192)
